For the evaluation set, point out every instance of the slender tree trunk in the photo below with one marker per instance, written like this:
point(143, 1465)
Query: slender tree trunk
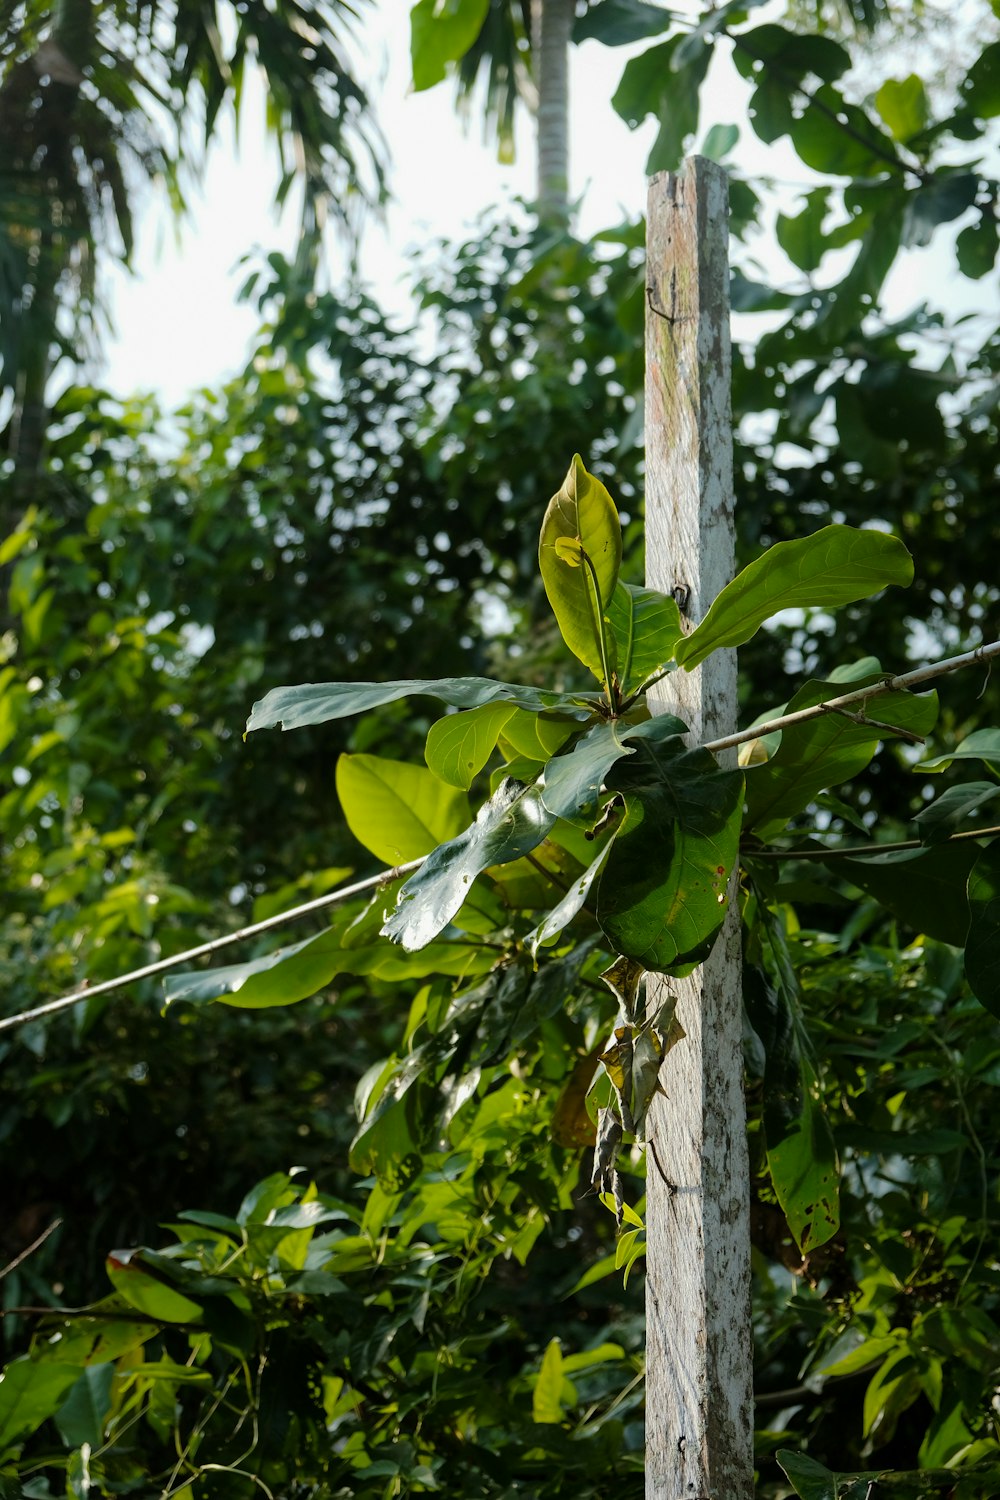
point(60, 60)
point(552, 28)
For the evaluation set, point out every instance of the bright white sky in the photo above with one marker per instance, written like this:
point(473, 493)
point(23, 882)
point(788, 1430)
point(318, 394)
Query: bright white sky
point(176, 320)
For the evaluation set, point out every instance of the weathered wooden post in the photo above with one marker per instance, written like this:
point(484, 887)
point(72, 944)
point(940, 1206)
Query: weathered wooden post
point(699, 1351)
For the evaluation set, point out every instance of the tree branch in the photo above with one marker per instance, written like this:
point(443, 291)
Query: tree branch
point(902, 683)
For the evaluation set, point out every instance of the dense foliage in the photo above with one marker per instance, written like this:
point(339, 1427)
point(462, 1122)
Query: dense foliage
point(352, 508)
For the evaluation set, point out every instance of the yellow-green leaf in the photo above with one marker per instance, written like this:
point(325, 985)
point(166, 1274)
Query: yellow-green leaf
point(459, 745)
point(579, 554)
point(396, 810)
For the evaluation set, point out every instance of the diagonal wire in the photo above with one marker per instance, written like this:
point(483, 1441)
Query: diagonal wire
point(86, 991)
point(281, 919)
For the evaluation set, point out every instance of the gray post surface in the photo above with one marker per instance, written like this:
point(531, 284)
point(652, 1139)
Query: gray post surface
point(699, 1349)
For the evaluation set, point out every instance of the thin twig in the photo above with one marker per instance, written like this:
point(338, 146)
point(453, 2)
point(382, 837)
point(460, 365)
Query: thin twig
point(281, 919)
point(855, 851)
point(35, 1244)
point(902, 683)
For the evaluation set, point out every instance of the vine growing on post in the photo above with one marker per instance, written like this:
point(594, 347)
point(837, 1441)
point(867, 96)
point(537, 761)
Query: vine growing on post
point(569, 844)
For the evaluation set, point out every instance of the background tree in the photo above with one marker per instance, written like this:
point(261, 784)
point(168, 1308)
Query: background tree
point(96, 97)
point(374, 485)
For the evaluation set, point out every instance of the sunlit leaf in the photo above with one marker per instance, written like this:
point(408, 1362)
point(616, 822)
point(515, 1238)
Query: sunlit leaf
point(459, 745)
point(30, 1392)
point(645, 626)
point(442, 31)
point(512, 823)
point(581, 518)
point(834, 566)
point(319, 702)
point(397, 810)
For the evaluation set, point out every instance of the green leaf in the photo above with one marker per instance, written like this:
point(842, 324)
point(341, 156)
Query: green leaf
point(571, 904)
point(947, 813)
point(837, 138)
point(795, 55)
point(293, 973)
point(459, 745)
point(943, 199)
point(834, 566)
point(662, 895)
point(924, 889)
point(982, 745)
point(147, 1290)
point(81, 1417)
point(719, 141)
point(546, 1400)
point(802, 237)
point(902, 103)
point(825, 751)
point(319, 702)
point(976, 246)
point(441, 32)
point(801, 1155)
point(811, 1481)
point(30, 1392)
point(91, 1340)
point(980, 88)
point(398, 811)
point(512, 823)
point(982, 950)
point(573, 781)
point(645, 626)
point(581, 514)
point(618, 23)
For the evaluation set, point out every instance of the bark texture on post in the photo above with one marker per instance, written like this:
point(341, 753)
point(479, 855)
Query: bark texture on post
point(699, 1348)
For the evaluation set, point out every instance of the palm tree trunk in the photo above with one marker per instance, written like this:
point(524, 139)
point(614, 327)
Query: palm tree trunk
point(552, 27)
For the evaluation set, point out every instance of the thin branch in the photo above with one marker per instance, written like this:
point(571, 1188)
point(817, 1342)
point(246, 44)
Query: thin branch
point(90, 991)
point(333, 898)
point(903, 683)
point(30, 1250)
point(854, 851)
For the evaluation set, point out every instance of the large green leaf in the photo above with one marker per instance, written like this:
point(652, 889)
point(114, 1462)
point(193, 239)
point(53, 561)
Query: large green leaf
point(902, 103)
point(982, 745)
point(397, 810)
point(30, 1391)
point(579, 554)
point(617, 23)
point(292, 974)
point(826, 751)
point(319, 702)
point(982, 951)
point(951, 811)
point(661, 897)
point(924, 888)
point(645, 626)
point(834, 566)
point(441, 32)
point(147, 1290)
point(573, 781)
point(512, 823)
point(459, 745)
point(812, 1482)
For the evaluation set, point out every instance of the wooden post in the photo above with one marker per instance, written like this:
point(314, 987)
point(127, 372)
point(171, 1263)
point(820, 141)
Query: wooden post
point(699, 1348)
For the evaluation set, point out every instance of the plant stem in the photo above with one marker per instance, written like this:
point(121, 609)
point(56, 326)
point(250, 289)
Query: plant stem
point(854, 851)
